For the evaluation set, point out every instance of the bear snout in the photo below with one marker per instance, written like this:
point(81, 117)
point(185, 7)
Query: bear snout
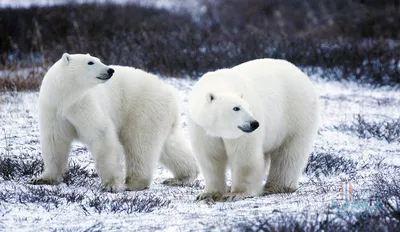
point(110, 72)
point(248, 128)
point(254, 125)
point(107, 76)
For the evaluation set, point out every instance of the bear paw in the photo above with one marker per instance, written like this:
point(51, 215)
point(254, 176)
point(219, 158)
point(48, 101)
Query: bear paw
point(209, 197)
point(173, 182)
point(274, 189)
point(43, 181)
point(112, 187)
point(229, 197)
point(136, 184)
point(181, 181)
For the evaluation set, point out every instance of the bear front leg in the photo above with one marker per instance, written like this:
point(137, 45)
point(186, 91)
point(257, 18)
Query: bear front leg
point(247, 166)
point(287, 164)
point(211, 156)
point(213, 169)
point(106, 151)
point(55, 141)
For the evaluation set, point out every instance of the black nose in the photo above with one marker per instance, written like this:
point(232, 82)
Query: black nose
point(254, 125)
point(110, 72)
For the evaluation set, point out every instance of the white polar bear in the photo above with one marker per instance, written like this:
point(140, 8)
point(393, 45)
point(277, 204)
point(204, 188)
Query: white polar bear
point(258, 116)
point(79, 100)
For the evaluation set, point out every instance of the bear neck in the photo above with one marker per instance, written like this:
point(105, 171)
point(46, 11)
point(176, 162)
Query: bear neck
point(63, 91)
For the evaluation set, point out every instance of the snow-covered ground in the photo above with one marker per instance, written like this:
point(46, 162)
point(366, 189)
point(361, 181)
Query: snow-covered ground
point(192, 5)
point(340, 156)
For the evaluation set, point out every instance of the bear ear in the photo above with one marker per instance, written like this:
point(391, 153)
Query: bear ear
point(66, 58)
point(210, 97)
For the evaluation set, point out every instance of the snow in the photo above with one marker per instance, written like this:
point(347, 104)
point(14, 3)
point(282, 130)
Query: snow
point(194, 7)
point(340, 101)
point(190, 5)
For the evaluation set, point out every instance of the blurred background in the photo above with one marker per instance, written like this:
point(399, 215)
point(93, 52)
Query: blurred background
point(354, 40)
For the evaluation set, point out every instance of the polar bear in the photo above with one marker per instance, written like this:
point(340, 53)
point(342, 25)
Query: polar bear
point(260, 117)
point(112, 109)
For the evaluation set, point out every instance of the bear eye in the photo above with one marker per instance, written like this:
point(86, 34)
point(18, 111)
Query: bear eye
point(236, 108)
point(90, 63)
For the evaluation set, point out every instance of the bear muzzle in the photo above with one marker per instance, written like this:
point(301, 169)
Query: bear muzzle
point(248, 128)
point(106, 76)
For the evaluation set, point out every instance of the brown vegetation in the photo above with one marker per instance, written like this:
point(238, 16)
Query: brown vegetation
point(351, 40)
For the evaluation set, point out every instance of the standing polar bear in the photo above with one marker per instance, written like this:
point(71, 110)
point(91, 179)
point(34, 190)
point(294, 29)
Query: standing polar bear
point(79, 100)
point(258, 116)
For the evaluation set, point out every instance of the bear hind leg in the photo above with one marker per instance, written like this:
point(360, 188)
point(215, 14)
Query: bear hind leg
point(142, 154)
point(179, 159)
point(55, 152)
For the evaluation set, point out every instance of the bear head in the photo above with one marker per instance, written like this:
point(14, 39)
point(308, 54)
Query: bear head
point(85, 70)
point(226, 115)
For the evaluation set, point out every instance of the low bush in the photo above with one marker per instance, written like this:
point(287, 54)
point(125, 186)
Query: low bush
point(388, 130)
point(350, 40)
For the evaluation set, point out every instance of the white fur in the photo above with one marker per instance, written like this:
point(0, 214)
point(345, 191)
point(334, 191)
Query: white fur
point(133, 112)
point(277, 95)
